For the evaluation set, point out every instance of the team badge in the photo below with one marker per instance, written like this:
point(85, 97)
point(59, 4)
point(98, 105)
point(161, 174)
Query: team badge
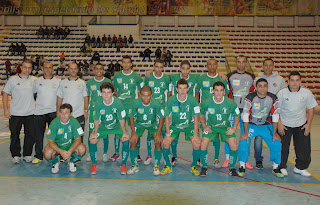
point(211, 110)
point(151, 83)
point(175, 109)
point(206, 84)
point(140, 110)
point(256, 106)
point(102, 112)
point(236, 82)
point(60, 131)
point(119, 80)
point(93, 87)
point(48, 132)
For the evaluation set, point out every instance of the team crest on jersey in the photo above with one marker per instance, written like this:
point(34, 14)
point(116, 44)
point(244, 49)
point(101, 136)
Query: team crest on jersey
point(224, 110)
point(151, 111)
point(211, 110)
point(48, 132)
point(162, 84)
point(175, 109)
point(188, 108)
point(93, 87)
point(256, 106)
point(236, 82)
point(119, 80)
point(190, 85)
point(102, 112)
point(141, 110)
point(151, 83)
point(69, 128)
point(114, 110)
point(60, 131)
point(206, 84)
point(131, 80)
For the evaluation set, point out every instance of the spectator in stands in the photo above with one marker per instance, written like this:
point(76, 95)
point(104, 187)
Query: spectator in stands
point(93, 41)
point(18, 68)
point(47, 32)
point(104, 40)
point(83, 49)
point(111, 68)
point(109, 40)
point(167, 59)
point(42, 60)
point(23, 49)
point(52, 31)
point(164, 52)
point(89, 48)
point(114, 40)
point(120, 40)
point(33, 61)
point(40, 32)
point(80, 65)
point(61, 68)
point(95, 57)
point(66, 32)
point(62, 57)
point(99, 41)
point(146, 53)
point(11, 49)
point(87, 39)
point(130, 39)
point(118, 46)
point(56, 33)
point(91, 67)
point(117, 66)
point(8, 68)
point(158, 53)
point(60, 33)
point(86, 67)
point(17, 49)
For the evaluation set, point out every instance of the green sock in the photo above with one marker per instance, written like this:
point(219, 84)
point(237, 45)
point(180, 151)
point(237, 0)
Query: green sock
point(75, 158)
point(157, 156)
point(149, 144)
point(105, 145)
point(233, 158)
point(134, 156)
point(174, 146)
point(125, 152)
point(138, 145)
point(54, 160)
point(196, 154)
point(216, 146)
point(92, 152)
point(166, 156)
point(116, 145)
point(204, 158)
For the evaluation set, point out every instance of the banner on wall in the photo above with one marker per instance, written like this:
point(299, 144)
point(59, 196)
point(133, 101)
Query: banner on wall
point(10, 7)
point(83, 7)
point(276, 7)
point(308, 7)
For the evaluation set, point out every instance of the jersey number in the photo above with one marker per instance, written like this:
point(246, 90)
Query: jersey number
point(183, 116)
point(125, 86)
point(144, 117)
point(157, 90)
point(109, 117)
point(219, 117)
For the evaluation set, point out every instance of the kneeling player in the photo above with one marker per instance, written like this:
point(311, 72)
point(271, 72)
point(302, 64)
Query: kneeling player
point(217, 110)
point(185, 112)
point(64, 138)
point(109, 118)
point(143, 116)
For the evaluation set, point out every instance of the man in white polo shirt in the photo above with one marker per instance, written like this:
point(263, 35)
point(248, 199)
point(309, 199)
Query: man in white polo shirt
point(73, 90)
point(21, 111)
point(46, 88)
point(293, 122)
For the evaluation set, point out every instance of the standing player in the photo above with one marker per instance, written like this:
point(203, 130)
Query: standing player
point(240, 84)
point(257, 109)
point(64, 139)
point(46, 88)
point(204, 87)
point(217, 110)
point(145, 113)
point(185, 112)
point(109, 118)
point(93, 87)
point(73, 90)
point(21, 111)
point(294, 100)
point(160, 86)
point(127, 83)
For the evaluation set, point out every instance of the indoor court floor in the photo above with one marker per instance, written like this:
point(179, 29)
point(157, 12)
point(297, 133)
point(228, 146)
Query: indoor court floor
point(26, 183)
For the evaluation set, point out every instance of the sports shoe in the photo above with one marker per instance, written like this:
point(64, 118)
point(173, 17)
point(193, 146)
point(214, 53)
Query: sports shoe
point(194, 171)
point(166, 170)
point(16, 160)
point(277, 172)
point(147, 161)
point(27, 158)
point(104, 158)
point(226, 163)
point(123, 169)
point(284, 172)
point(259, 165)
point(174, 161)
point(139, 159)
point(72, 167)
point(55, 168)
point(233, 172)
point(217, 164)
point(133, 169)
point(93, 169)
point(88, 159)
point(36, 161)
point(204, 171)
point(114, 157)
point(156, 170)
point(248, 165)
point(303, 172)
point(241, 172)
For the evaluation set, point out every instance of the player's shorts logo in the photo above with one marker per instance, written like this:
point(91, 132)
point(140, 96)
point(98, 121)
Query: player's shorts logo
point(140, 110)
point(206, 84)
point(211, 110)
point(102, 112)
point(151, 83)
point(119, 80)
point(256, 106)
point(60, 131)
point(175, 109)
point(236, 82)
point(93, 87)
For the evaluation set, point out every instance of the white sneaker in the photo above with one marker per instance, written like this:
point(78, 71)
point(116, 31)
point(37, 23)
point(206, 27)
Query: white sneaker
point(88, 159)
point(148, 160)
point(104, 158)
point(36, 161)
point(303, 172)
point(16, 160)
point(72, 167)
point(156, 170)
point(133, 169)
point(27, 158)
point(284, 172)
point(55, 168)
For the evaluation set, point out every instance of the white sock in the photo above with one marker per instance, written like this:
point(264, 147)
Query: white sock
point(228, 156)
point(275, 166)
point(242, 164)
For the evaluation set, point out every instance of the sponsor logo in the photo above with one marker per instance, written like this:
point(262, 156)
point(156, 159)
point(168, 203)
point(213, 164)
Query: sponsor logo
point(141, 110)
point(206, 84)
point(256, 106)
point(102, 112)
point(151, 84)
point(93, 87)
point(211, 110)
point(175, 109)
point(60, 131)
point(236, 82)
point(119, 80)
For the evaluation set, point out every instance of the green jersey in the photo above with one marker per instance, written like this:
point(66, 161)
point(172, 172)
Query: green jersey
point(159, 86)
point(127, 86)
point(217, 114)
point(192, 82)
point(182, 112)
point(205, 83)
point(64, 134)
point(93, 87)
point(146, 115)
point(109, 115)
